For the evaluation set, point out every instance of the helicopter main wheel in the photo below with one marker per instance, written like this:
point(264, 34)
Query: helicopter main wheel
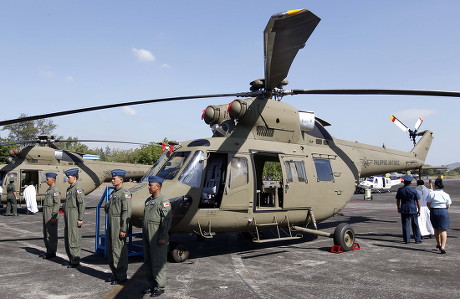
point(344, 236)
point(178, 252)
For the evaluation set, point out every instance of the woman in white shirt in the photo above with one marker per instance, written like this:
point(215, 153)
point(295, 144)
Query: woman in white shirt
point(439, 202)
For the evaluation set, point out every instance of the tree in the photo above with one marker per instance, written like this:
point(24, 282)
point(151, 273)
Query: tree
point(148, 154)
point(5, 151)
point(28, 130)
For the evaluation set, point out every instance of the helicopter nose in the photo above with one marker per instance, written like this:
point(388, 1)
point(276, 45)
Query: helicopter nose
point(179, 207)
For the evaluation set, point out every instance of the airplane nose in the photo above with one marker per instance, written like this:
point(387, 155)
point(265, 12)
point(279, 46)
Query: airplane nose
point(179, 207)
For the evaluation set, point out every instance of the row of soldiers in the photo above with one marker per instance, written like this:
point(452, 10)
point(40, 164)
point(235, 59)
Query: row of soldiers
point(156, 224)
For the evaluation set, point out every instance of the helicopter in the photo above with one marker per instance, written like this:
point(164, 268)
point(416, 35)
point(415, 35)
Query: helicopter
point(216, 184)
point(30, 164)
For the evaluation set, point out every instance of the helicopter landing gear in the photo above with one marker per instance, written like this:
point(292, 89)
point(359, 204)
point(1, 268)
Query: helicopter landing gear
point(344, 236)
point(178, 252)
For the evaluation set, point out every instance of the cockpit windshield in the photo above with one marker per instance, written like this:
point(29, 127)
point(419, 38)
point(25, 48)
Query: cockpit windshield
point(155, 167)
point(170, 169)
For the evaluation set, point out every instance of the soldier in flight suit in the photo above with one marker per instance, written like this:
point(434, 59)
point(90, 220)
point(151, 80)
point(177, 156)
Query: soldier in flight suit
point(51, 205)
point(74, 211)
point(11, 198)
point(156, 224)
point(119, 211)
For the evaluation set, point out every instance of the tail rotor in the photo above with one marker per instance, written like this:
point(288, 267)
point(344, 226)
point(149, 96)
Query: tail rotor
point(402, 126)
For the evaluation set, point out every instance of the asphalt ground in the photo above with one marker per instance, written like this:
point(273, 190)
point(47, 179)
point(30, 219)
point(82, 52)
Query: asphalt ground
point(227, 267)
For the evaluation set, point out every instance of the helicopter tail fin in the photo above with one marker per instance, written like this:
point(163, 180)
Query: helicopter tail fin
point(422, 147)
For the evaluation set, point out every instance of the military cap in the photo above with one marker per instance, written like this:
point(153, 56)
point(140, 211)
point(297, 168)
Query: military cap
point(12, 179)
point(155, 179)
point(51, 175)
point(408, 178)
point(72, 171)
point(118, 172)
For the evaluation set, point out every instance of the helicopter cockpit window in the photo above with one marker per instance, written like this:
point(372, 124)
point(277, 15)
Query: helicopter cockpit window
point(193, 172)
point(199, 142)
point(238, 172)
point(155, 167)
point(174, 164)
point(323, 170)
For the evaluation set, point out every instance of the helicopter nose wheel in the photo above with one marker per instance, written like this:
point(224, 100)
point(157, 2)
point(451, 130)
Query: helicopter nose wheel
point(344, 236)
point(178, 252)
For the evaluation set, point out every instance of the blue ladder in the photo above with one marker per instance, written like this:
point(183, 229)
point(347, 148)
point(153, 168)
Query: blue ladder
point(101, 241)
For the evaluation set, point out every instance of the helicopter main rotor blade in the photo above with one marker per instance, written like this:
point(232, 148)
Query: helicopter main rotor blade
point(286, 33)
point(101, 141)
point(94, 108)
point(406, 92)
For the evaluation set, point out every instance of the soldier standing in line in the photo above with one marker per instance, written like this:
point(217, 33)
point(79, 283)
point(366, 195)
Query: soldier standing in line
point(51, 205)
point(119, 211)
point(156, 224)
point(11, 198)
point(74, 211)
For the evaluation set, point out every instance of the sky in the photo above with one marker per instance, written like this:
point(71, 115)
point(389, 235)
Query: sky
point(60, 55)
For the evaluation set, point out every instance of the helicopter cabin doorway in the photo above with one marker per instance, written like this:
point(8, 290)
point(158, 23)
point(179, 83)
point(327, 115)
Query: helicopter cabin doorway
point(214, 181)
point(269, 178)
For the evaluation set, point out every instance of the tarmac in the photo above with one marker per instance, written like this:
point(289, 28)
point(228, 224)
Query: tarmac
point(228, 267)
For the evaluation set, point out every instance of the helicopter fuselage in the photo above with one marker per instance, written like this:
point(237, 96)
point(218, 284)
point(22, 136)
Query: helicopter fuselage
point(220, 184)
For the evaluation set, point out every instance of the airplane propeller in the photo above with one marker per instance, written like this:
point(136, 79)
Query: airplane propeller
point(402, 126)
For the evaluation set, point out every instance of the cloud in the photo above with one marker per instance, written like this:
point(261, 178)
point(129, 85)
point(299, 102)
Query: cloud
point(143, 55)
point(166, 66)
point(69, 79)
point(129, 111)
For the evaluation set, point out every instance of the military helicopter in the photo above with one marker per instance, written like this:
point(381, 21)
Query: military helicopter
point(30, 164)
point(216, 184)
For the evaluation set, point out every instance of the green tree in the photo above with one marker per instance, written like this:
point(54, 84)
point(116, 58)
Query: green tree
point(147, 154)
point(5, 150)
point(28, 130)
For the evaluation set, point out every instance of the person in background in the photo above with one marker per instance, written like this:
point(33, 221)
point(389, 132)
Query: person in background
point(30, 197)
point(424, 223)
point(439, 203)
point(1, 191)
point(11, 198)
point(408, 204)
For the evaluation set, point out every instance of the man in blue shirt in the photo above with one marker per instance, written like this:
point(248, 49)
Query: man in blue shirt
point(408, 203)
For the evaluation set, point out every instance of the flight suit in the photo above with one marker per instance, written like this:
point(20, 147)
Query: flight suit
point(156, 224)
point(409, 197)
point(12, 206)
point(74, 210)
point(51, 205)
point(119, 212)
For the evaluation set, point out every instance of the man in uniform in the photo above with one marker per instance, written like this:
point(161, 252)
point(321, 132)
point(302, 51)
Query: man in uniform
point(408, 204)
point(11, 198)
point(156, 224)
point(74, 211)
point(51, 205)
point(119, 211)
